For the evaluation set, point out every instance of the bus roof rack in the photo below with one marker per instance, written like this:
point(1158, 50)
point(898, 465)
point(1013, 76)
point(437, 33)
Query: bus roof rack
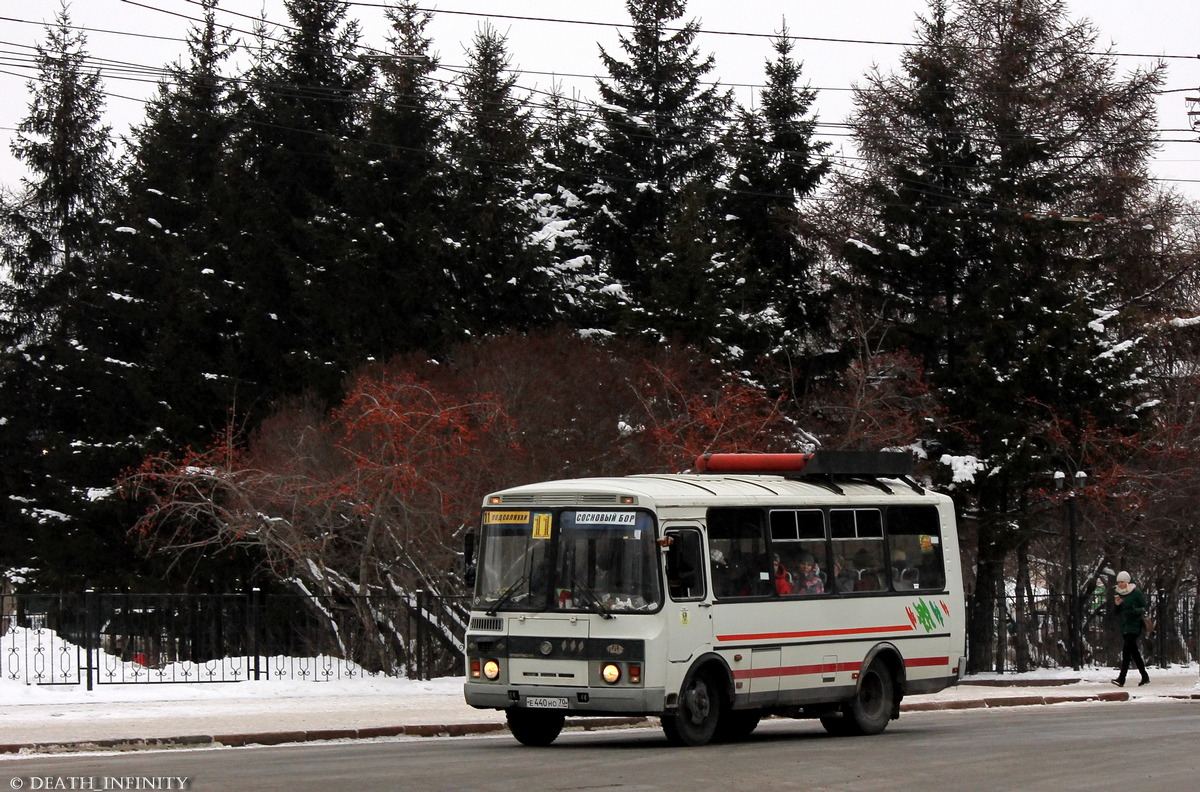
point(827, 466)
point(860, 464)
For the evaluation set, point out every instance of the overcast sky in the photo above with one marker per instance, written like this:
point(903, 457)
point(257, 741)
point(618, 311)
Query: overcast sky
point(550, 43)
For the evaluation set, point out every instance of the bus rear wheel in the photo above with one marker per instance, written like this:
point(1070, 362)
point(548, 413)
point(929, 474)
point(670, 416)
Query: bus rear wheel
point(870, 709)
point(694, 721)
point(535, 727)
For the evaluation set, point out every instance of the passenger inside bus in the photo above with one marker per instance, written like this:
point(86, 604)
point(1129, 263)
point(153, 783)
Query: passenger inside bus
point(783, 578)
point(742, 577)
point(846, 577)
point(870, 571)
point(810, 581)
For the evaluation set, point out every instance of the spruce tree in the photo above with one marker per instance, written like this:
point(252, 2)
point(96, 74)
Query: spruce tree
point(562, 175)
point(776, 303)
point(62, 388)
point(1003, 126)
point(395, 199)
point(654, 202)
point(923, 185)
point(168, 255)
point(499, 275)
point(283, 226)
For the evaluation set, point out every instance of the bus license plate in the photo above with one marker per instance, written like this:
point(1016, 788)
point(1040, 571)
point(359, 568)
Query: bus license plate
point(546, 702)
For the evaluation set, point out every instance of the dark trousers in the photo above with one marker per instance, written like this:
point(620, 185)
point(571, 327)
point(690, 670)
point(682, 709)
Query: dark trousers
point(1130, 651)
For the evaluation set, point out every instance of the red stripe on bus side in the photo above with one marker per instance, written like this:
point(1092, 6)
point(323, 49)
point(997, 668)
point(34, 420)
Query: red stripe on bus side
point(761, 673)
point(815, 633)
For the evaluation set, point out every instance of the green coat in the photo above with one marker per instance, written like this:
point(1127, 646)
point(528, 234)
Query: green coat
point(1129, 612)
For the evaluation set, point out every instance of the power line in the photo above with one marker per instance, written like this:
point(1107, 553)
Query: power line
point(134, 69)
point(150, 70)
point(732, 33)
point(594, 77)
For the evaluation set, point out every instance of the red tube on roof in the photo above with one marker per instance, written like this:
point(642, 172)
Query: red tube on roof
point(752, 463)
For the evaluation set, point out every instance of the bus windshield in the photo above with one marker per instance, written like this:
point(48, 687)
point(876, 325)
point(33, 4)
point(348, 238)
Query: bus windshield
point(576, 560)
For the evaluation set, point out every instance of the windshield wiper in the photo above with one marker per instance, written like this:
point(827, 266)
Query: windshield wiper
point(508, 592)
point(597, 605)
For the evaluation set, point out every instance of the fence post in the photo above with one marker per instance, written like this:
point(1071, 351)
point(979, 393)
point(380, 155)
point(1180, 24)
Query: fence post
point(256, 654)
point(421, 634)
point(89, 616)
point(1161, 638)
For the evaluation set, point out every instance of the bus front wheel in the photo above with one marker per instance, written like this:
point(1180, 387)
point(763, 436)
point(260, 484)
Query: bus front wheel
point(535, 727)
point(694, 721)
point(737, 725)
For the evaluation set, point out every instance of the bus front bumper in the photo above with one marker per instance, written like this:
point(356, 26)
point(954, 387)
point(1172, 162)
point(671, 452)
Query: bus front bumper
point(573, 700)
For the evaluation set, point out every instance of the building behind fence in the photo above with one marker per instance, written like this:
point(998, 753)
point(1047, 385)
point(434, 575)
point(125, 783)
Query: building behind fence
point(95, 638)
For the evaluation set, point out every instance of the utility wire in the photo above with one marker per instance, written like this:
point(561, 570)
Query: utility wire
point(136, 68)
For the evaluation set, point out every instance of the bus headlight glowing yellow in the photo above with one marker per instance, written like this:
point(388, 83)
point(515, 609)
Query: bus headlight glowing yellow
point(611, 673)
point(491, 669)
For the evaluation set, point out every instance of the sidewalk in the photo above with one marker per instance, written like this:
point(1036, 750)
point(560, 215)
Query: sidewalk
point(269, 713)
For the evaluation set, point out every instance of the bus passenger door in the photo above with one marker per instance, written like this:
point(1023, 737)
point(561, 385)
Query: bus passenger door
point(689, 616)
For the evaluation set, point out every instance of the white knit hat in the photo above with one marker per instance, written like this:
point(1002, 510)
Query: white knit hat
point(1122, 578)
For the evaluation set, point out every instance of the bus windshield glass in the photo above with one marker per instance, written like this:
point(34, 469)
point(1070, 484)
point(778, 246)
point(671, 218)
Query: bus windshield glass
point(607, 561)
point(577, 560)
point(514, 561)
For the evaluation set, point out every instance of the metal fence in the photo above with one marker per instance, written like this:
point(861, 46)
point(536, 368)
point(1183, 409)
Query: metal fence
point(1040, 632)
point(95, 638)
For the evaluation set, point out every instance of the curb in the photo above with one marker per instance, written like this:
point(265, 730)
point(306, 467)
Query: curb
point(1001, 682)
point(287, 737)
point(1010, 701)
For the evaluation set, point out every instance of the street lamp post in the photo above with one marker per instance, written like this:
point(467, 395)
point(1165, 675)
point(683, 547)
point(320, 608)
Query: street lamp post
point(1074, 616)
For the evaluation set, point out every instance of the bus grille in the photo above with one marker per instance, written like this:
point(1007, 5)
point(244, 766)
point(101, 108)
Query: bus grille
point(490, 623)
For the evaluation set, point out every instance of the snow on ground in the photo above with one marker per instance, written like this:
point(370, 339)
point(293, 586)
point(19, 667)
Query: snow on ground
point(15, 692)
point(29, 656)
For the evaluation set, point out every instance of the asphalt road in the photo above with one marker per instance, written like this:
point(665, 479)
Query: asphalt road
point(1133, 746)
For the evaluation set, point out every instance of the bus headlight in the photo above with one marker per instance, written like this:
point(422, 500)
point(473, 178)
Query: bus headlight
point(491, 669)
point(611, 673)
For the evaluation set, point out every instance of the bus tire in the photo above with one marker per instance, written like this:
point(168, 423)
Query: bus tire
point(838, 724)
point(535, 727)
point(695, 720)
point(736, 725)
point(871, 708)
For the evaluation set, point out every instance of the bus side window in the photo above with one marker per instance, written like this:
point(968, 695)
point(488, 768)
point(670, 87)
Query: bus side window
point(858, 537)
point(685, 565)
point(743, 567)
point(914, 535)
point(799, 552)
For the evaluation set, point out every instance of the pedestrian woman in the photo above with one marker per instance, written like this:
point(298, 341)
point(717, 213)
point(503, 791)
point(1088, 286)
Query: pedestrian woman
point(1131, 604)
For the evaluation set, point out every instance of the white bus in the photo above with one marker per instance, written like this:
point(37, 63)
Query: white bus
point(809, 586)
